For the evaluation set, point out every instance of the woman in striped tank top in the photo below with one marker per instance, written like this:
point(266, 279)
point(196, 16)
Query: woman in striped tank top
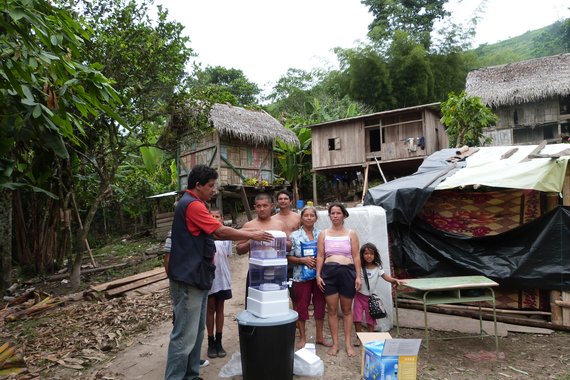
point(338, 274)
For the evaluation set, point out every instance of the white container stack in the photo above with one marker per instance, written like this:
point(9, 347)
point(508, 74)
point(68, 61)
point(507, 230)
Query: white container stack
point(267, 293)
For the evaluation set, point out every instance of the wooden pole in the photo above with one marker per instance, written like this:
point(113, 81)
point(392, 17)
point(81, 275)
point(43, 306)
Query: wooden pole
point(365, 186)
point(565, 304)
point(554, 308)
point(81, 226)
point(245, 203)
point(315, 200)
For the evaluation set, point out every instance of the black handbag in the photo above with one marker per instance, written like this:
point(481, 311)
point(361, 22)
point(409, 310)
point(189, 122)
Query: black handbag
point(375, 304)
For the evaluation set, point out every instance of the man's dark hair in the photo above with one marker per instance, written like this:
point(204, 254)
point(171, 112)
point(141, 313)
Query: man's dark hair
point(261, 196)
point(201, 174)
point(286, 192)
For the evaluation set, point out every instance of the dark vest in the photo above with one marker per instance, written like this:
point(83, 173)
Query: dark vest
point(191, 257)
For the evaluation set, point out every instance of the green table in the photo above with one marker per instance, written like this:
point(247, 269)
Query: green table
point(448, 290)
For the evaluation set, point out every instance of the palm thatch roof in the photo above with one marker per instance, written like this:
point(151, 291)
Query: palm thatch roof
point(257, 127)
point(521, 82)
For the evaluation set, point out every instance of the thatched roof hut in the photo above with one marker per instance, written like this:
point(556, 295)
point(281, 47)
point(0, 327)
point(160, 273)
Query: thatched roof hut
point(521, 82)
point(257, 127)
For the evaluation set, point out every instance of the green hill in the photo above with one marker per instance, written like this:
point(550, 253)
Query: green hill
point(550, 40)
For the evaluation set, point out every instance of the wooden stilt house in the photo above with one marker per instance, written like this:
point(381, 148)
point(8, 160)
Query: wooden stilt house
point(240, 148)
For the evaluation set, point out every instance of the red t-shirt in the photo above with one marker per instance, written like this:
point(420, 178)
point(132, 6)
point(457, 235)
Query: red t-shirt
point(198, 219)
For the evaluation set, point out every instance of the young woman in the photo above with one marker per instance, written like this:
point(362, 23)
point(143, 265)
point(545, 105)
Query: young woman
point(338, 273)
point(303, 257)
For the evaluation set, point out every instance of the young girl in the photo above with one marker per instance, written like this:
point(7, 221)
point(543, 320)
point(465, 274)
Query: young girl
point(371, 267)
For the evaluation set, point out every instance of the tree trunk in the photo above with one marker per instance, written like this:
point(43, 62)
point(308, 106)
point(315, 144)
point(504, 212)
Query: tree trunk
point(5, 239)
point(75, 270)
point(295, 191)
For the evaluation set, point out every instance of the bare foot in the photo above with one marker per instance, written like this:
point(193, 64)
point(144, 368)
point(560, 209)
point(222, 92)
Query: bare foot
point(300, 344)
point(350, 351)
point(333, 350)
point(325, 343)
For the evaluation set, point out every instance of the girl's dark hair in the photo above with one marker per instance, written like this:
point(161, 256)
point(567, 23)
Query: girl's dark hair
point(341, 206)
point(374, 250)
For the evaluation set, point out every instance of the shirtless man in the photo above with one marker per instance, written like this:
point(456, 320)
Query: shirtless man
point(291, 219)
point(263, 221)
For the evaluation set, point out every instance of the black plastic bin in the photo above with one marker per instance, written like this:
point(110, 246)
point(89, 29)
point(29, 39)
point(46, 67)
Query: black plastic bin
point(267, 346)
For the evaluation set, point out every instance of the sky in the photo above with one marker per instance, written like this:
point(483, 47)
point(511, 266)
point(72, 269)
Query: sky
point(264, 38)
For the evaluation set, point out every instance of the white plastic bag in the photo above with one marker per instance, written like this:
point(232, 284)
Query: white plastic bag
point(302, 368)
point(233, 367)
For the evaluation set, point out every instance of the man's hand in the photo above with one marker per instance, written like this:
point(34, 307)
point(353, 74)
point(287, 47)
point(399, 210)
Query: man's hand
point(260, 235)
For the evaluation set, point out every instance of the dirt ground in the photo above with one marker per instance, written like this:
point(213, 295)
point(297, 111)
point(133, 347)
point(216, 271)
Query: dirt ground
point(142, 354)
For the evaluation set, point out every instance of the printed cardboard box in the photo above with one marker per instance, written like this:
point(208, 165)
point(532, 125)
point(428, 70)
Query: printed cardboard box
point(390, 359)
point(366, 337)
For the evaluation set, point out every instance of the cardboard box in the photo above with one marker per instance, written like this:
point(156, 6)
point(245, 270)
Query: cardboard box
point(385, 358)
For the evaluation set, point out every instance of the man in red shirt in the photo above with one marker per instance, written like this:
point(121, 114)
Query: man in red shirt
point(191, 269)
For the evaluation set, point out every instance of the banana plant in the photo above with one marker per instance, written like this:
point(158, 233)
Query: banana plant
point(294, 160)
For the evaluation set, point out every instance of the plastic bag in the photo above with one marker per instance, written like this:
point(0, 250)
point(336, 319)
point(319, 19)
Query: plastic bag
point(302, 368)
point(308, 249)
point(233, 367)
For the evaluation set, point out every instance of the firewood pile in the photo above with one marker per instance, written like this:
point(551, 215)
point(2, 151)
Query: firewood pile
point(142, 283)
point(76, 331)
point(34, 302)
point(11, 361)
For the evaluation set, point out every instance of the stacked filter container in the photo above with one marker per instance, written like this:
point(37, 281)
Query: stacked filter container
point(267, 293)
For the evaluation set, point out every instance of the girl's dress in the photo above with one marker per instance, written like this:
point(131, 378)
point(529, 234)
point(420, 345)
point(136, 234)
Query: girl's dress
point(360, 305)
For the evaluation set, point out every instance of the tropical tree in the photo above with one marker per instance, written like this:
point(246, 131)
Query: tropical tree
point(231, 85)
point(416, 17)
point(49, 96)
point(465, 118)
point(410, 71)
point(147, 60)
point(367, 77)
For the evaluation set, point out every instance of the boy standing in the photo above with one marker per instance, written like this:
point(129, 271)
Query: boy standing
point(220, 292)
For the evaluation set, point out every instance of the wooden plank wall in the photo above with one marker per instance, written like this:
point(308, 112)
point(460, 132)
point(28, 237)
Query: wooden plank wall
point(163, 224)
point(394, 145)
point(529, 114)
point(352, 140)
point(204, 151)
point(249, 160)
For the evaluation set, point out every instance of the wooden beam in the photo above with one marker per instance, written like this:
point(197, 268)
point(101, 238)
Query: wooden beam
point(380, 169)
point(509, 153)
point(554, 308)
point(126, 280)
point(564, 304)
point(135, 284)
point(315, 200)
point(489, 317)
point(365, 186)
point(232, 167)
point(535, 151)
point(245, 203)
